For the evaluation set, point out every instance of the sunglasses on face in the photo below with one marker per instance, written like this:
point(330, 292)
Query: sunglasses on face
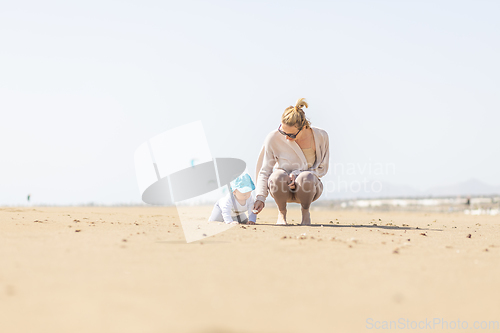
point(291, 136)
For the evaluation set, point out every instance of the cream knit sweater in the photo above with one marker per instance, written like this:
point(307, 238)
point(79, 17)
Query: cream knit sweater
point(279, 153)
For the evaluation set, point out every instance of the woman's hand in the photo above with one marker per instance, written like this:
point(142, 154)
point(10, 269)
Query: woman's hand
point(291, 185)
point(258, 206)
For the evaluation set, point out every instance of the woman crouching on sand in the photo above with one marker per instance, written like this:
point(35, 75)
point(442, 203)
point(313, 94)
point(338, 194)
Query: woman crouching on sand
point(291, 162)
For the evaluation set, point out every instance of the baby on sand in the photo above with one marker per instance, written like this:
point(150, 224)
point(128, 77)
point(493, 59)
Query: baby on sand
point(232, 208)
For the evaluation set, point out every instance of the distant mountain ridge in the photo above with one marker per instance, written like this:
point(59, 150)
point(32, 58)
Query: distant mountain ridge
point(471, 187)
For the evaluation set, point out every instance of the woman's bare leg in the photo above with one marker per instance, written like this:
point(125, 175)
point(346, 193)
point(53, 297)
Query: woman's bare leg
point(278, 187)
point(309, 188)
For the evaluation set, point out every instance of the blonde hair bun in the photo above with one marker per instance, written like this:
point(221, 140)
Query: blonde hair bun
point(295, 116)
point(301, 102)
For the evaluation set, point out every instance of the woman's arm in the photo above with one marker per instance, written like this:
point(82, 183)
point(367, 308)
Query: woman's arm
point(322, 167)
point(268, 162)
point(259, 162)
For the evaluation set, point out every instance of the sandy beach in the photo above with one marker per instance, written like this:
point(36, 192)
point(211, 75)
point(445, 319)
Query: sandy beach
point(129, 269)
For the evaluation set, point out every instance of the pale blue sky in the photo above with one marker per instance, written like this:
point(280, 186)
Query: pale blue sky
point(83, 84)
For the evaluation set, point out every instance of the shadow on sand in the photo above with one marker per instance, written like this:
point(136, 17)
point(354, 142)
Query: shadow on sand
point(204, 241)
point(386, 227)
